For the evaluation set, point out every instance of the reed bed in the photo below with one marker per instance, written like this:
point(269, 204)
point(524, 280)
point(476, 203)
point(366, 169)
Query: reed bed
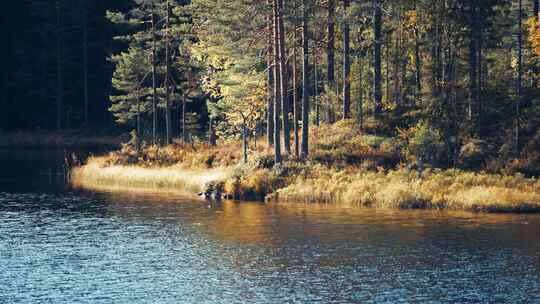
point(435, 189)
point(96, 175)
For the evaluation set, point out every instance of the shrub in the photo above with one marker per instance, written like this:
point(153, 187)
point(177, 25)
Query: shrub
point(421, 143)
point(473, 154)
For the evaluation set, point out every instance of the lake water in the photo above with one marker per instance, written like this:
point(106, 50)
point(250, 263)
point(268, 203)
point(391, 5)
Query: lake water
point(59, 245)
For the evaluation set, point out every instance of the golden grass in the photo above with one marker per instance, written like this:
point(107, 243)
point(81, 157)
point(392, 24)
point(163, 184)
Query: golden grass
point(96, 175)
point(437, 189)
point(186, 155)
point(345, 167)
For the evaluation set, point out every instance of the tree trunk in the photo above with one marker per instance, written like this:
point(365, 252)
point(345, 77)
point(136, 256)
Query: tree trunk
point(295, 90)
point(330, 54)
point(395, 62)
point(244, 140)
point(359, 110)
point(346, 64)
point(59, 62)
point(479, 81)
point(403, 59)
point(184, 129)
point(154, 89)
point(330, 43)
point(417, 62)
point(387, 74)
point(168, 122)
point(377, 57)
point(283, 80)
point(534, 68)
point(473, 76)
point(85, 61)
point(305, 91)
point(316, 94)
point(519, 79)
point(211, 132)
point(138, 114)
point(277, 87)
point(270, 80)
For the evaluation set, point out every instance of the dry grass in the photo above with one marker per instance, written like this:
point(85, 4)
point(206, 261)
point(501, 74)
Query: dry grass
point(345, 167)
point(341, 144)
point(96, 175)
point(450, 189)
point(185, 155)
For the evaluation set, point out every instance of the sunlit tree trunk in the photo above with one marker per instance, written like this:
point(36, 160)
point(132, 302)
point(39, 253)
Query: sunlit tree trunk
point(270, 80)
point(305, 85)
point(377, 57)
point(283, 80)
point(417, 61)
point(168, 122)
point(244, 139)
point(138, 97)
point(403, 58)
point(535, 70)
point(473, 61)
point(277, 86)
point(211, 132)
point(316, 93)
point(359, 110)
point(346, 64)
point(330, 52)
point(154, 89)
point(519, 78)
point(295, 89)
point(184, 128)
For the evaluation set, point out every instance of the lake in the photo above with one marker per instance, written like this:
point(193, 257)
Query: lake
point(63, 245)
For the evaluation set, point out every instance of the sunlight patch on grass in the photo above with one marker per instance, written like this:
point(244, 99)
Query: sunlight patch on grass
point(95, 175)
point(437, 189)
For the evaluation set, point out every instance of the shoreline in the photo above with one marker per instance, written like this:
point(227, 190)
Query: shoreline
point(344, 166)
point(466, 191)
point(96, 176)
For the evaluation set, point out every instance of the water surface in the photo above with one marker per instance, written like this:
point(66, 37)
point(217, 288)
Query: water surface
point(59, 245)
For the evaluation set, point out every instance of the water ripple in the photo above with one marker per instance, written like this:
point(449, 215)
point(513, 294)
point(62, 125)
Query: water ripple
point(112, 248)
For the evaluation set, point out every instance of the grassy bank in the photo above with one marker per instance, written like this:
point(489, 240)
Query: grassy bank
point(97, 175)
point(436, 189)
point(344, 166)
point(75, 138)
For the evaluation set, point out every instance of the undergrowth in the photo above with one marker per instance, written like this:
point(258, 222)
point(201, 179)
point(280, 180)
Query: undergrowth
point(345, 166)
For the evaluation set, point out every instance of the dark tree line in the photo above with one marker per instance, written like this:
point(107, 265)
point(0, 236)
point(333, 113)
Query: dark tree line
point(55, 73)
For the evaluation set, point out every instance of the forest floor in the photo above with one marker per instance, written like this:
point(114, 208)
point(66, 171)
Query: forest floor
point(73, 138)
point(344, 166)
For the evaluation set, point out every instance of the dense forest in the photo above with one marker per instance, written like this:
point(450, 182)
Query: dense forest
point(452, 78)
point(55, 73)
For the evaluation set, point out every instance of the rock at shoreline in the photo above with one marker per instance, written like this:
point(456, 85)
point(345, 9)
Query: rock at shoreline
point(213, 191)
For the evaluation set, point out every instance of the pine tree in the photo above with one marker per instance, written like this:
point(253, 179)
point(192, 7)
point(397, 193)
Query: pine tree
point(130, 80)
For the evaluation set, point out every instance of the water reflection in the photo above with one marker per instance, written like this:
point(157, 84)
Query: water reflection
point(71, 246)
